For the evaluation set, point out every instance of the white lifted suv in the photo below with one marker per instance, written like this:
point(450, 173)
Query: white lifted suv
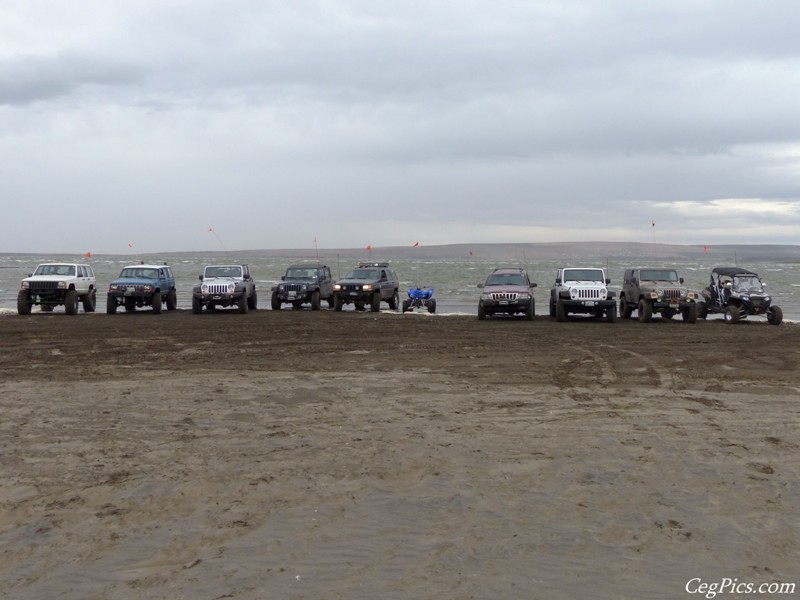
point(54, 284)
point(583, 291)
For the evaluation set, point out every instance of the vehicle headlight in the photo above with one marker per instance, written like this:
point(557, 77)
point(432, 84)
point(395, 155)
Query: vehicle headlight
point(26, 285)
point(113, 287)
point(366, 287)
point(573, 293)
point(523, 296)
point(231, 288)
point(148, 288)
point(685, 293)
point(486, 296)
point(603, 293)
point(337, 286)
point(62, 285)
point(745, 297)
point(767, 298)
point(305, 287)
point(204, 288)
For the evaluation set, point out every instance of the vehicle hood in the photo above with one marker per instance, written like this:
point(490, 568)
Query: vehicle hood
point(134, 281)
point(51, 278)
point(358, 281)
point(223, 280)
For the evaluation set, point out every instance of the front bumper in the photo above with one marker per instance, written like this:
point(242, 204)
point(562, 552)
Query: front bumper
point(348, 296)
point(505, 306)
point(218, 298)
point(588, 306)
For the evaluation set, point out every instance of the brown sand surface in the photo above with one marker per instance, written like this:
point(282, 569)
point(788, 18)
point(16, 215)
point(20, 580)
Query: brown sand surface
point(300, 454)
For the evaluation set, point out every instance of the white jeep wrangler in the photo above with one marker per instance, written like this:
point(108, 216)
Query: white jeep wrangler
point(582, 291)
point(53, 284)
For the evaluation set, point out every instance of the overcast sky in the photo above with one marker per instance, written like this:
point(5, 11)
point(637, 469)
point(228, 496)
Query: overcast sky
point(388, 123)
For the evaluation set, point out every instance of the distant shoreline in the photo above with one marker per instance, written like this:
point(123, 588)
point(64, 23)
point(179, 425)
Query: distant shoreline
point(498, 251)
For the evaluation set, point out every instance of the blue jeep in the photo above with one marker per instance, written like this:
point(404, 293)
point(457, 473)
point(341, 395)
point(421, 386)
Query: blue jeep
point(142, 285)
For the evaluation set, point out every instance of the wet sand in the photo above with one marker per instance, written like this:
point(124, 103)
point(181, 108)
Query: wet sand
point(348, 455)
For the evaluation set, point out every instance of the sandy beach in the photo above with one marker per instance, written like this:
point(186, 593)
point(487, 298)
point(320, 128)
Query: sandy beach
point(352, 455)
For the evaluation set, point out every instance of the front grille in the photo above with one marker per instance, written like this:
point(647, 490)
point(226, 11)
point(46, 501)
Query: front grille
point(218, 288)
point(294, 287)
point(43, 285)
point(350, 287)
point(672, 295)
point(504, 296)
point(135, 288)
point(588, 294)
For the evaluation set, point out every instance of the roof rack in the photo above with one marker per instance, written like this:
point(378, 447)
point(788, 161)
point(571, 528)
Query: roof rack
point(373, 264)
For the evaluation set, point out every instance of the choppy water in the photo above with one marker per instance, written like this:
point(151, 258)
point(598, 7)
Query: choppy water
point(455, 280)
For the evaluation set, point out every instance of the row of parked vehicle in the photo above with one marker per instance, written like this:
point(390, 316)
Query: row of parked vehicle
point(734, 292)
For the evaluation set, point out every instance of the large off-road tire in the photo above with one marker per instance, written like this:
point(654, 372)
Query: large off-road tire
point(552, 308)
point(111, 305)
point(406, 305)
point(775, 315)
point(156, 303)
point(689, 313)
point(529, 312)
point(561, 311)
point(375, 302)
point(337, 303)
point(252, 301)
point(394, 301)
point(197, 305)
point(276, 301)
point(242, 304)
point(71, 302)
point(611, 314)
point(731, 314)
point(331, 300)
point(172, 300)
point(315, 300)
point(432, 305)
point(90, 300)
point(702, 310)
point(24, 303)
point(130, 305)
point(481, 312)
point(645, 310)
point(625, 311)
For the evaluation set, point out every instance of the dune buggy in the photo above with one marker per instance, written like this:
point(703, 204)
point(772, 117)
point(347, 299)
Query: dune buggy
point(738, 293)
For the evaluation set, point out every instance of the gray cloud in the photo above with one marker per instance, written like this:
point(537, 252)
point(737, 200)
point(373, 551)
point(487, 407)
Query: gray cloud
point(578, 118)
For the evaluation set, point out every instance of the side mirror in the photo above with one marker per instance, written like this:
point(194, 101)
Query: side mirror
point(480, 285)
point(558, 280)
point(200, 278)
point(608, 280)
point(680, 279)
point(533, 285)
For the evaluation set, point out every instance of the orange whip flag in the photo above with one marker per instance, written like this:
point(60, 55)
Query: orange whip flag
point(88, 255)
point(705, 248)
point(369, 247)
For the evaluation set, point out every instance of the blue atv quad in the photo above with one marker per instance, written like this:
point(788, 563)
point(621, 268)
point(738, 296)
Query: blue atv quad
point(420, 298)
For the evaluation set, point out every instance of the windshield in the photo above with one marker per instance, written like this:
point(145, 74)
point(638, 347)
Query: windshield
point(223, 272)
point(659, 275)
point(138, 273)
point(363, 274)
point(746, 284)
point(301, 274)
point(66, 270)
point(506, 279)
point(583, 275)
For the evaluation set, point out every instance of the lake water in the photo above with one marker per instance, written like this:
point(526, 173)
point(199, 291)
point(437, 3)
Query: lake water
point(455, 280)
